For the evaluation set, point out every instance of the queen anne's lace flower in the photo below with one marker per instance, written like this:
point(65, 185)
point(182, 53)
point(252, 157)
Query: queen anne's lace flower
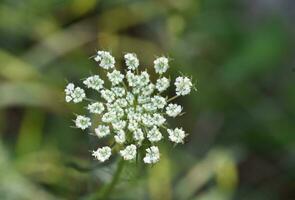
point(159, 102)
point(183, 86)
point(120, 137)
point(108, 95)
point(173, 110)
point(138, 135)
point(154, 135)
point(105, 59)
point(82, 122)
point(152, 155)
point(102, 154)
point(94, 82)
point(131, 61)
point(115, 77)
point(162, 84)
point(132, 110)
point(129, 153)
point(177, 135)
point(96, 108)
point(161, 65)
point(74, 94)
point(102, 131)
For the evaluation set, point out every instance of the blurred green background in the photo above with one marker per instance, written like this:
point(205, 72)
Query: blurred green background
point(241, 120)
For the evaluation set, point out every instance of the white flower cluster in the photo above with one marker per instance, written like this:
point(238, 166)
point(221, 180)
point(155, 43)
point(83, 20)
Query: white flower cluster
point(132, 111)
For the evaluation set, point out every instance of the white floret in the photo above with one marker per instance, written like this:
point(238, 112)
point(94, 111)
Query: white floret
point(108, 95)
point(102, 131)
point(161, 65)
point(154, 135)
point(162, 84)
point(131, 61)
point(138, 135)
point(152, 155)
point(118, 91)
point(183, 86)
point(94, 82)
point(82, 122)
point(159, 102)
point(129, 153)
point(105, 59)
point(96, 108)
point(102, 154)
point(109, 117)
point(119, 125)
point(158, 119)
point(177, 135)
point(120, 137)
point(173, 110)
point(115, 77)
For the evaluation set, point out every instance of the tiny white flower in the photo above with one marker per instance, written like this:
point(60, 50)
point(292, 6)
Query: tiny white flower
point(138, 135)
point(161, 65)
point(102, 131)
point(82, 122)
point(154, 135)
point(94, 82)
point(69, 89)
point(129, 153)
point(78, 95)
point(68, 99)
point(115, 77)
point(143, 99)
point(96, 108)
point(177, 135)
point(105, 59)
point(133, 125)
point(173, 110)
point(144, 79)
point(148, 90)
point(131, 61)
point(183, 86)
point(149, 107)
point(121, 102)
point(119, 125)
point(109, 117)
point(119, 91)
point(120, 137)
point(158, 119)
point(147, 120)
point(136, 90)
point(108, 95)
point(74, 94)
point(102, 154)
point(152, 155)
point(162, 84)
point(159, 102)
point(130, 98)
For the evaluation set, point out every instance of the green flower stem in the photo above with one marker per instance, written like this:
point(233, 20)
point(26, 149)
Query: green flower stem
point(109, 188)
point(172, 98)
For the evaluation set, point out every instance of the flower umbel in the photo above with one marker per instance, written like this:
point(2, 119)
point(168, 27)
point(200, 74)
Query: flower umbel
point(133, 111)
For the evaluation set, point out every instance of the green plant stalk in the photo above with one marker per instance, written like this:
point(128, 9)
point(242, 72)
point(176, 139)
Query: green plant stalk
point(109, 188)
point(104, 193)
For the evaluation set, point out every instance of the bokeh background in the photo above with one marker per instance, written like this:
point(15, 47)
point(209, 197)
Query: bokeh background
point(241, 120)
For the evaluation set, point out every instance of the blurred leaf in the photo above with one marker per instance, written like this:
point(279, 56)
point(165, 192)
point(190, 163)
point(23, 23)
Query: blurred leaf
point(30, 136)
point(122, 17)
point(14, 186)
point(204, 170)
point(30, 94)
point(15, 69)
